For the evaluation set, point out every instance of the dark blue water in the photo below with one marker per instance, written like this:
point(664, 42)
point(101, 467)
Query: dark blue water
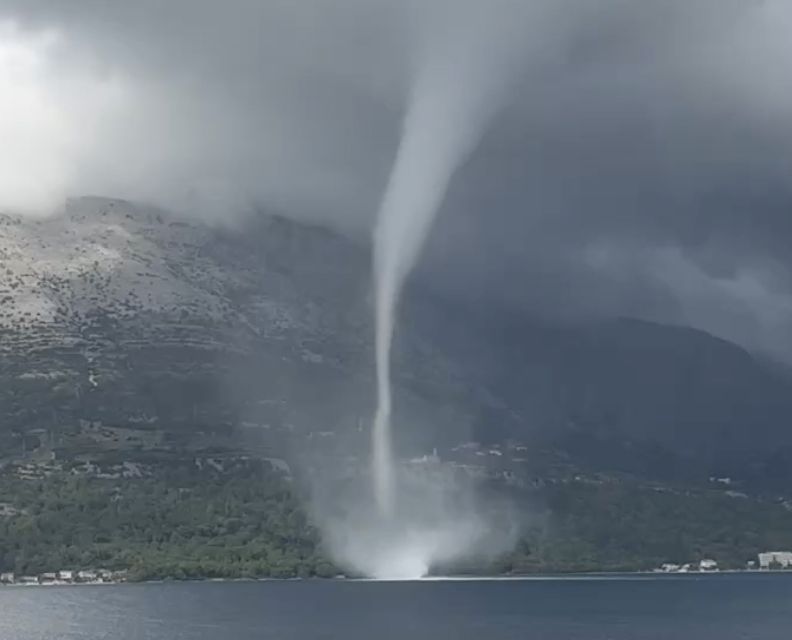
point(726, 607)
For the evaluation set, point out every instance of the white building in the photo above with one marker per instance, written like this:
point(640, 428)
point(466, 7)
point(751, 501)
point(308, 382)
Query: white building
point(427, 459)
point(770, 558)
point(708, 565)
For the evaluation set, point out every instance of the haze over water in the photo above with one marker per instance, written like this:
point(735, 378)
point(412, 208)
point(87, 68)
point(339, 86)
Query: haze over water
point(716, 607)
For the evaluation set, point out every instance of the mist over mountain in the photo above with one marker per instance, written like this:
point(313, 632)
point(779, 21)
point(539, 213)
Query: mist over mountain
point(640, 168)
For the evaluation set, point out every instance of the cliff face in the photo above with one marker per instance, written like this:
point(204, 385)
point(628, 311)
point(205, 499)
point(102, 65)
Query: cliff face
point(119, 313)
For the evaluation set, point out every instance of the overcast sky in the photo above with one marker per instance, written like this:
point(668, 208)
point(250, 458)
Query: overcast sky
point(641, 167)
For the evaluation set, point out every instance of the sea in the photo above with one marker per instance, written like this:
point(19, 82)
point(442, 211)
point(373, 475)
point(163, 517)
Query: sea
point(695, 607)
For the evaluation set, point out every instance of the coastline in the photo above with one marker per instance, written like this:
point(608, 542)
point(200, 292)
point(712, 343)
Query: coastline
point(594, 575)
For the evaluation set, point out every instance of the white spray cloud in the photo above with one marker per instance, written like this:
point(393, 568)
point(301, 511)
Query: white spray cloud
point(441, 519)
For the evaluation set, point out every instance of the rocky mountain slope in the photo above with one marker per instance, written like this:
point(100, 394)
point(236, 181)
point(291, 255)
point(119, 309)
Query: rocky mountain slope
point(645, 398)
point(120, 313)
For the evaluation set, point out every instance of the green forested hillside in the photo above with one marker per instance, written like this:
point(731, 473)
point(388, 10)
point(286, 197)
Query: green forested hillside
point(182, 521)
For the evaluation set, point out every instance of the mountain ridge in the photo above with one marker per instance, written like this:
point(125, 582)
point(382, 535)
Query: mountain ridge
point(118, 312)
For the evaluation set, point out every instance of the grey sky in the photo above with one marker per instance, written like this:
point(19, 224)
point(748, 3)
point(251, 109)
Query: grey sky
point(642, 167)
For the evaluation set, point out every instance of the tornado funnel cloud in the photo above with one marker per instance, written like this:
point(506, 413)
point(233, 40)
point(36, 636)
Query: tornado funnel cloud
point(405, 520)
point(458, 86)
point(418, 184)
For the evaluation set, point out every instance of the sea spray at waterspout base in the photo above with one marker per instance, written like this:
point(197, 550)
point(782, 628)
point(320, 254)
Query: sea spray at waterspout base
point(441, 518)
point(459, 84)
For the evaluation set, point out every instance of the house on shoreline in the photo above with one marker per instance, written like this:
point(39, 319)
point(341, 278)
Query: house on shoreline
point(775, 560)
point(64, 577)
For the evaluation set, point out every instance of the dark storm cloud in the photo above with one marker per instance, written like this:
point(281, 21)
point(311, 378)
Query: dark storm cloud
point(642, 167)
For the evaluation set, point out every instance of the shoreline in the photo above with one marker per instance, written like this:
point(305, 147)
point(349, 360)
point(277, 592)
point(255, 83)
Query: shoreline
point(600, 575)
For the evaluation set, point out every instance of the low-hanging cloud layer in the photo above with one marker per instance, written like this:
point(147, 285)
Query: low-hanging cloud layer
point(641, 167)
